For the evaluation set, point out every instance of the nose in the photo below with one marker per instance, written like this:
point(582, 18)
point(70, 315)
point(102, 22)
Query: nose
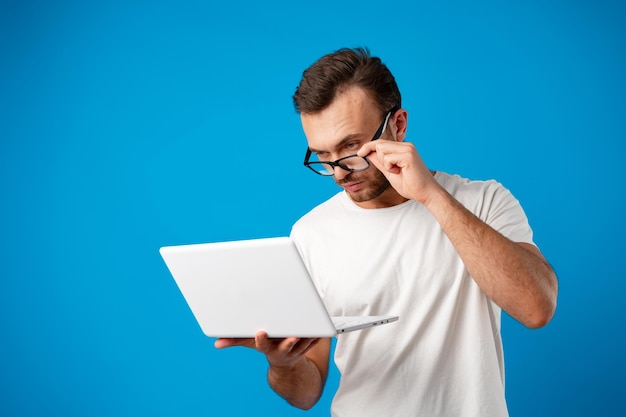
point(340, 173)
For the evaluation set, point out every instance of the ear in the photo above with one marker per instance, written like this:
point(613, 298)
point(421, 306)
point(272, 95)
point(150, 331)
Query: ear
point(398, 124)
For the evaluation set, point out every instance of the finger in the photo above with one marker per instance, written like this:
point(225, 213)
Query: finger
point(366, 149)
point(287, 346)
point(304, 346)
point(393, 162)
point(222, 343)
point(393, 157)
point(262, 342)
point(381, 159)
point(289, 350)
point(376, 151)
point(274, 346)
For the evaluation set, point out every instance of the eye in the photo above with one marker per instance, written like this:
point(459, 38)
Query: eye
point(352, 145)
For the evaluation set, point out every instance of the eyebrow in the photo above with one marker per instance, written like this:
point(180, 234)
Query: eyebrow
point(346, 139)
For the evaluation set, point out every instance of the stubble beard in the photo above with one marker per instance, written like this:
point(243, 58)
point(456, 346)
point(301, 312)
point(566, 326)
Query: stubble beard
point(375, 187)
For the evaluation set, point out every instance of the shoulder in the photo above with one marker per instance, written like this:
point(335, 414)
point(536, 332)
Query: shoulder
point(484, 198)
point(492, 203)
point(468, 189)
point(454, 183)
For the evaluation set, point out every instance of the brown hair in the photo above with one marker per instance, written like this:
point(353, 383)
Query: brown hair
point(334, 73)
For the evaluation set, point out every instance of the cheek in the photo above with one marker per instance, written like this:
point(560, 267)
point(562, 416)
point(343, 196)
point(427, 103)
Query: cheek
point(372, 174)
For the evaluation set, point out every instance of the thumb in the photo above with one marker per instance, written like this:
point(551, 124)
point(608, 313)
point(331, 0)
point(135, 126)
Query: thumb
point(222, 343)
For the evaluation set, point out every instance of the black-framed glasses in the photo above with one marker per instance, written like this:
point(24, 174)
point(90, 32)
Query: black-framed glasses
point(350, 163)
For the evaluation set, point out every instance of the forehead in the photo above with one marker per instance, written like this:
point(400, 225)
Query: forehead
point(351, 114)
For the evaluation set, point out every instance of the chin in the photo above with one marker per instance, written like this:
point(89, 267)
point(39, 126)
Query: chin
point(369, 193)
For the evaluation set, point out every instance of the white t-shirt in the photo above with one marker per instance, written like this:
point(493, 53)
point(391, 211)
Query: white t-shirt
point(444, 356)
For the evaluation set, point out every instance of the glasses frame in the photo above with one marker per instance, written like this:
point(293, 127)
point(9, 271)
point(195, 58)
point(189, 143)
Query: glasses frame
point(338, 163)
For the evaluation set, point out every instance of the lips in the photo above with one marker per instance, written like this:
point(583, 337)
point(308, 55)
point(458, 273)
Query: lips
point(353, 186)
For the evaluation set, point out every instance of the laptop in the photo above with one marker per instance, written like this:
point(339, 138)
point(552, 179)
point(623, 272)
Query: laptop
point(234, 289)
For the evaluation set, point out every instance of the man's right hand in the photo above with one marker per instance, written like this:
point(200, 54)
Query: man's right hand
point(279, 352)
point(298, 366)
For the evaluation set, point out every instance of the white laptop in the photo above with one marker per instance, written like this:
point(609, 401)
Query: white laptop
point(235, 289)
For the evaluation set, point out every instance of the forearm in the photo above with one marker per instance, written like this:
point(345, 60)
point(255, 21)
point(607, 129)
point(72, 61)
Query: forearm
point(300, 383)
point(298, 366)
point(515, 277)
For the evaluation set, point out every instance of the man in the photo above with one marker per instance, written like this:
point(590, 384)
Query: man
point(444, 253)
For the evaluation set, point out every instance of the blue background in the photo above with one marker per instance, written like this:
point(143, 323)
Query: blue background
point(126, 126)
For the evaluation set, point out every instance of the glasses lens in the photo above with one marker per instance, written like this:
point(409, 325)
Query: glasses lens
point(350, 163)
point(321, 168)
point(353, 163)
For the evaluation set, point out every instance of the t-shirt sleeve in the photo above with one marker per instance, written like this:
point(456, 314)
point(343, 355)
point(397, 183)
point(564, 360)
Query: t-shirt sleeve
point(502, 211)
point(492, 203)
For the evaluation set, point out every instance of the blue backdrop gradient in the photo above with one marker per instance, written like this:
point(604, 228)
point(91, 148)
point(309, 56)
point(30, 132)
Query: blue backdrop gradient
point(129, 125)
